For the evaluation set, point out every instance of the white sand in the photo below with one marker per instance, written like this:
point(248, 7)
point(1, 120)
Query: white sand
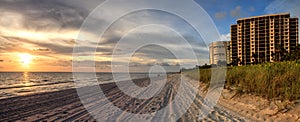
point(65, 106)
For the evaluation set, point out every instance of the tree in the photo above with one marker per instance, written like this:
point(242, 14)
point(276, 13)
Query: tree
point(241, 62)
point(236, 61)
point(222, 63)
point(295, 55)
point(280, 53)
point(255, 56)
point(262, 57)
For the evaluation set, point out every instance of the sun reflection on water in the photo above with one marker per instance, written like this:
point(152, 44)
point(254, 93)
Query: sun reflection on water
point(25, 75)
point(26, 81)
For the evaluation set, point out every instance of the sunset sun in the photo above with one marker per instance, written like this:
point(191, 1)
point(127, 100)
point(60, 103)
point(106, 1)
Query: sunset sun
point(25, 58)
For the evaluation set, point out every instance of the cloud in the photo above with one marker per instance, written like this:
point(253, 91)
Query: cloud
point(278, 6)
point(220, 15)
point(51, 27)
point(125, 28)
point(42, 50)
point(57, 17)
point(16, 44)
point(283, 6)
point(46, 29)
point(236, 12)
point(226, 37)
point(62, 63)
point(22, 41)
point(41, 15)
point(12, 44)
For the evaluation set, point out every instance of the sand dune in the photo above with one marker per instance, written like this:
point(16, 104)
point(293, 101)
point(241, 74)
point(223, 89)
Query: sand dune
point(260, 109)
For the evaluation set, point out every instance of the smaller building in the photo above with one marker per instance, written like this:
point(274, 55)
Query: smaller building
point(219, 53)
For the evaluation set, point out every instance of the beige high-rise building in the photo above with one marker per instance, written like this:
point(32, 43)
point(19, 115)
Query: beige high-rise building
point(256, 39)
point(219, 53)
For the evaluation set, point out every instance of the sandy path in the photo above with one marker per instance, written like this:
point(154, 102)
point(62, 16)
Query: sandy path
point(66, 106)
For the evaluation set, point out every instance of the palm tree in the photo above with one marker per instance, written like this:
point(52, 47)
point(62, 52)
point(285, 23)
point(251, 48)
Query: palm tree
point(280, 53)
point(236, 61)
point(255, 56)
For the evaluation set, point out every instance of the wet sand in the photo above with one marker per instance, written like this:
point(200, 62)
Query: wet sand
point(65, 105)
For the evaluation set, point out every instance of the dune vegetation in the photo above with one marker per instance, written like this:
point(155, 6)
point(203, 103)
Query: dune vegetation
point(280, 80)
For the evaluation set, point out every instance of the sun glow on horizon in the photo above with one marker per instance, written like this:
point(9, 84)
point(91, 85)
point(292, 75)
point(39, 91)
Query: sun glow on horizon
point(25, 58)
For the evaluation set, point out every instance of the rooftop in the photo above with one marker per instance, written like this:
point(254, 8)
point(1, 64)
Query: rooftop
point(264, 16)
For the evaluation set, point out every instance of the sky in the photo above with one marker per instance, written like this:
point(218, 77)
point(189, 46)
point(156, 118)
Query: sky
point(39, 35)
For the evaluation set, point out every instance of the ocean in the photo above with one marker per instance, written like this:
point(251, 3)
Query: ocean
point(14, 84)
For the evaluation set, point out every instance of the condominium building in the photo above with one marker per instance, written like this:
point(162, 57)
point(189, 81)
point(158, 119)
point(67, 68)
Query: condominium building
point(257, 39)
point(219, 53)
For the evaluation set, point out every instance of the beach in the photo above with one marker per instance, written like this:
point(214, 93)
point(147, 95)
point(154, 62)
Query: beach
point(149, 61)
point(259, 109)
point(65, 105)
